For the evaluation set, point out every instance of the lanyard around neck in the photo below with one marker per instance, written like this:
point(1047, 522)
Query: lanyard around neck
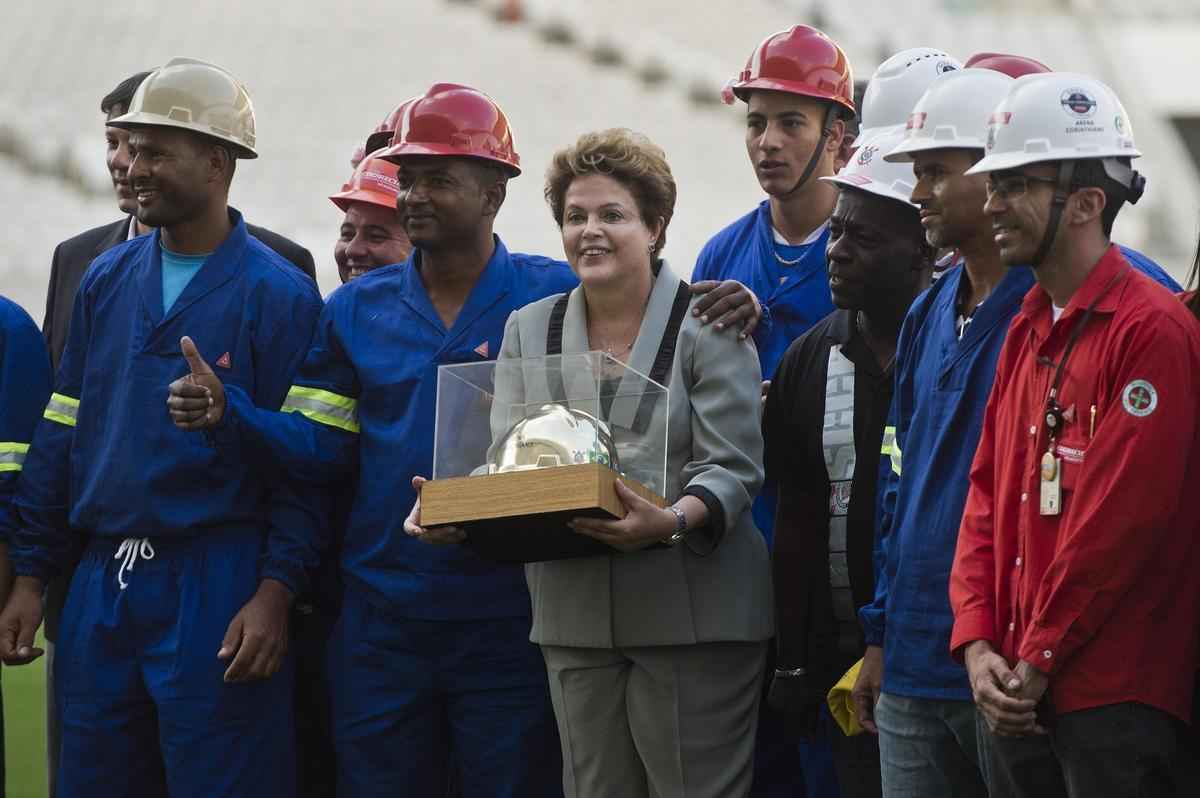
point(1054, 414)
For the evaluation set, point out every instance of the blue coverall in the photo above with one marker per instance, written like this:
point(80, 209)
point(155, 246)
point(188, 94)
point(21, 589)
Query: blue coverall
point(431, 662)
point(177, 535)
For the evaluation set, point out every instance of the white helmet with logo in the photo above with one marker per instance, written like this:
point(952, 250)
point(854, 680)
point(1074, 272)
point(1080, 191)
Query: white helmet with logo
point(897, 85)
point(868, 171)
point(1061, 117)
point(953, 113)
point(1058, 116)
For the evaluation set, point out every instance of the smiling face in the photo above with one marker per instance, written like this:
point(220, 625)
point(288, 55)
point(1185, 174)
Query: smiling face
point(605, 239)
point(442, 200)
point(782, 131)
point(875, 255)
point(951, 202)
point(1019, 222)
point(173, 174)
point(371, 236)
point(116, 158)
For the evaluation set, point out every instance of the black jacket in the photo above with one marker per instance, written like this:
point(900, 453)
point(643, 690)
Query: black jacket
point(73, 256)
point(793, 423)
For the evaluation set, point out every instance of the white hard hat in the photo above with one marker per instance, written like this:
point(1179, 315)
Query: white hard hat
point(1058, 116)
point(868, 171)
point(953, 113)
point(897, 85)
point(197, 96)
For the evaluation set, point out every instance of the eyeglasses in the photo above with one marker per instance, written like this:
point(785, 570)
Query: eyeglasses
point(1015, 185)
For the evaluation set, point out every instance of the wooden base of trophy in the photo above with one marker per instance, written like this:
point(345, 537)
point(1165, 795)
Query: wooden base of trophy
point(521, 516)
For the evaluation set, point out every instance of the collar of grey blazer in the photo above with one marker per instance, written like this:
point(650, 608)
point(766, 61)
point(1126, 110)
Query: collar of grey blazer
point(645, 346)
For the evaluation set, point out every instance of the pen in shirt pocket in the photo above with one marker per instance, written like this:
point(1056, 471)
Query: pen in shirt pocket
point(1092, 424)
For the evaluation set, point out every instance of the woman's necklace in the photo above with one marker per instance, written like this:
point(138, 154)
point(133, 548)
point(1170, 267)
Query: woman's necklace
point(618, 351)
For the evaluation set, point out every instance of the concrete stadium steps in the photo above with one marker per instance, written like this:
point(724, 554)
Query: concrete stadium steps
point(709, 43)
point(319, 87)
point(38, 213)
point(323, 75)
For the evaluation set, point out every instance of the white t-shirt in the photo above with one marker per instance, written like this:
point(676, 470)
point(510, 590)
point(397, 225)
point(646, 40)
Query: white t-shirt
point(811, 238)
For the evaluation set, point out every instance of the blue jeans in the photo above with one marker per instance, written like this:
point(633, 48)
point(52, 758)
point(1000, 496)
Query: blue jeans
point(928, 748)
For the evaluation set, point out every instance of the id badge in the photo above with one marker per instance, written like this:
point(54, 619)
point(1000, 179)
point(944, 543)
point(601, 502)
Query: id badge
point(1050, 502)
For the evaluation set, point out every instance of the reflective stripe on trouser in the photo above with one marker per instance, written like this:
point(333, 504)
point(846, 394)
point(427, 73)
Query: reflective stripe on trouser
point(62, 408)
point(324, 407)
point(12, 455)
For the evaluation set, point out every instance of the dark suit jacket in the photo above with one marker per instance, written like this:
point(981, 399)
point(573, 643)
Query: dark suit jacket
point(71, 260)
point(73, 256)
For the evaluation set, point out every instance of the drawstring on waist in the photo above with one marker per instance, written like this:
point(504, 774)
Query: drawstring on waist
point(130, 550)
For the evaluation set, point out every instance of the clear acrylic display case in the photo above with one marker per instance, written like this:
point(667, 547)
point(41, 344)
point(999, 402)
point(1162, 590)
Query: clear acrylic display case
point(521, 446)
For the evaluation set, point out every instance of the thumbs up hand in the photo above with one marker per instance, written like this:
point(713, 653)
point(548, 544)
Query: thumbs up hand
point(196, 401)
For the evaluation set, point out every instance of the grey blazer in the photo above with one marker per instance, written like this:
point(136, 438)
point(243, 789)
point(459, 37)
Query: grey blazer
point(716, 586)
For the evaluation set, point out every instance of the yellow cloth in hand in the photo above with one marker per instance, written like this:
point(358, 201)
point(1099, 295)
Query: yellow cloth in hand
point(842, 705)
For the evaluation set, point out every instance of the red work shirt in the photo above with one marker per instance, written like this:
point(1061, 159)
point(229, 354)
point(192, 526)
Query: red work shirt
point(1105, 597)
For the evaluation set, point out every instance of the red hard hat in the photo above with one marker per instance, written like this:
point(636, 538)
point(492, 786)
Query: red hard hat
point(392, 120)
point(801, 60)
point(450, 119)
point(374, 181)
point(1012, 65)
point(381, 136)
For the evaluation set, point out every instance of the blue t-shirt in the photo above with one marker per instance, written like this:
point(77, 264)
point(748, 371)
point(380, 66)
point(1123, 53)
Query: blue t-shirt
point(177, 271)
point(794, 297)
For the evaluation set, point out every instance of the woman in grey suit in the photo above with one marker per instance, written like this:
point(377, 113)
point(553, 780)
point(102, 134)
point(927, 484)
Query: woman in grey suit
point(655, 653)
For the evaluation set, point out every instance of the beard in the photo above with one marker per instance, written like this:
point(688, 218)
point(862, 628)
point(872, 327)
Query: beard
point(170, 208)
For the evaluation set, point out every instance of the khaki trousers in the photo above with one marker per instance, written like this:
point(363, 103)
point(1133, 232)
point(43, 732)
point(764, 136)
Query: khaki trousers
point(657, 721)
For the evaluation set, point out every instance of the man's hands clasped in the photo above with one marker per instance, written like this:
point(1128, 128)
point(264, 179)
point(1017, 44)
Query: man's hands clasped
point(1006, 698)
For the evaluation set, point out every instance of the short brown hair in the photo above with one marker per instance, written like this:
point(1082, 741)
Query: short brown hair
point(631, 159)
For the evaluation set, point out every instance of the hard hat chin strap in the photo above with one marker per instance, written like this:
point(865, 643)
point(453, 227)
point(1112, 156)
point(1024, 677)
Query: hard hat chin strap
point(1066, 171)
point(826, 128)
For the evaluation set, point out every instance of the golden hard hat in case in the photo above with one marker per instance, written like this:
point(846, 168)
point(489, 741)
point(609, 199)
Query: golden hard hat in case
point(197, 96)
point(555, 435)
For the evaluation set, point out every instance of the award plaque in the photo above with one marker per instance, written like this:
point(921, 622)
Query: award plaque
point(522, 446)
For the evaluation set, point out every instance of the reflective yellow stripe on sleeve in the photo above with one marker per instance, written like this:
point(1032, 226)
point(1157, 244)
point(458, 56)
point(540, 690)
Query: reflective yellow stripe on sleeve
point(324, 407)
point(889, 440)
point(61, 408)
point(12, 455)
